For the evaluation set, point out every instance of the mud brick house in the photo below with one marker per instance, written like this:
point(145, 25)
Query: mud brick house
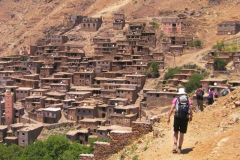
point(67, 103)
point(11, 140)
point(87, 111)
point(28, 83)
point(97, 39)
point(2, 113)
point(57, 40)
point(50, 101)
point(212, 82)
point(171, 25)
point(124, 46)
point(22, 92)
point(34, 102)
point(46, 82)
point(105, 48)
point(136, 79)
point(174, 40)
point(83, 78)
point(123, 115)
point(71, 114)
point(91, 24)
point(92, 124)
point(228, 28)
point(135, 30)
point(160, 99)
point(106, 65)
point(56, 95)
point(51, 115)
point(103, 132)
point(38, 92)
point(28, 134)
point(129, 93)
point(209, 65)
point(118, 21)
point(81, 136)
point(78, 95)
point(46, 71)
point(3, 132)
point(59, 87)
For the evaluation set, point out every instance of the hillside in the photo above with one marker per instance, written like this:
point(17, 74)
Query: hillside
point(213, 134)
point(23, 21)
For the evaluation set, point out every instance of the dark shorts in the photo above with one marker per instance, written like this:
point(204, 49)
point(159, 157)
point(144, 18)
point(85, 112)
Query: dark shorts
point(180, 125)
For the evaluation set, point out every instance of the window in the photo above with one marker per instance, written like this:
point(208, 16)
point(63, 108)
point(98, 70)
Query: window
point(100, 133)
point(23, 134)
point(23, 141)
point(83, 111)
point(89, 111)
point(157, 95)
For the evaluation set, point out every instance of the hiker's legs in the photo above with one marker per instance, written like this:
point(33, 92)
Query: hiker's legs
point(201, 105)
point(181, 139)
point(175, 137)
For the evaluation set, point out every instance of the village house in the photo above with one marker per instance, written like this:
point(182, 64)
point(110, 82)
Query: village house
point(103, 132)
point(84, 78)
point(22, 93)
point(81, 136)
point(97, 39)
point(51, 115)
point(91, 24)
point(212, 82)
point(92, 124)
point(118, 21)
point(228, 28)
point(171, 25)
point(28, 134)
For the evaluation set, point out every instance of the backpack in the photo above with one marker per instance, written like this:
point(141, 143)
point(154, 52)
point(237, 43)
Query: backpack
point(182, 108)
point(210, 96)
point(225, 92)
point(199, 94)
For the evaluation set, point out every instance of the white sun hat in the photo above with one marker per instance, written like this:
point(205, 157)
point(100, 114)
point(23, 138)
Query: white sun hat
point(181, 91)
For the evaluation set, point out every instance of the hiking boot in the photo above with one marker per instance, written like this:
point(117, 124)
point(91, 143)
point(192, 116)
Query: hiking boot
point(179, 150)
point(174, 149)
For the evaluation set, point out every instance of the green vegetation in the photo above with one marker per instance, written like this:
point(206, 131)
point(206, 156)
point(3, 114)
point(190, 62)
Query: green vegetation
point(154, 24)
point(194, 66)
point(171, 71)
point(219, 64)
point(55, 147)
point(219, 46)
point(195, 43)
point(23, 58)
point(135, 157)
point(153, 70)
point(194, 82)
point(227, 47)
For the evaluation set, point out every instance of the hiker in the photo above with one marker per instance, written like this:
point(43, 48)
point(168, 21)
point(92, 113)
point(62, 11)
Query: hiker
point(183, 114)
point(199, 95)
point(225, 91)
point(211, 96)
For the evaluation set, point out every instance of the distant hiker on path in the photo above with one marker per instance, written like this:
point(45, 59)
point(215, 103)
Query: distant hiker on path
point(183, 114)
point(211, 96)
point(199, 95)
point(225, 91)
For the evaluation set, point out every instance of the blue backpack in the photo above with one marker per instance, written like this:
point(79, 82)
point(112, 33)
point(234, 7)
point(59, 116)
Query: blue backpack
point(210, 96)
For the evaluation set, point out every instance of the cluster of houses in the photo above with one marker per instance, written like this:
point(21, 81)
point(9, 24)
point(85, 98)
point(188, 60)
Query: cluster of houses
point(228, 57)
point(55, 82)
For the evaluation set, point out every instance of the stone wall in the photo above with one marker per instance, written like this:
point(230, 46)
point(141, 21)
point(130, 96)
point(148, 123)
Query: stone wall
point(86, 157)
point(120, 139)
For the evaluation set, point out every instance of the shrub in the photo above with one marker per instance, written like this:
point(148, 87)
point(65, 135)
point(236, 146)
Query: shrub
point(153, 70)
point(154, 24)
point(219, 64)
point(171, 71)
point(193, 82)
point(196, 43)
point(23, 58)
point(219, 46)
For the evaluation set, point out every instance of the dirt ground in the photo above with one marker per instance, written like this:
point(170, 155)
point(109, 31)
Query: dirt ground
point(213, 134)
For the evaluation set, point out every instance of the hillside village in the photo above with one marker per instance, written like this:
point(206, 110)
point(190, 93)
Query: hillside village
point(105, 76)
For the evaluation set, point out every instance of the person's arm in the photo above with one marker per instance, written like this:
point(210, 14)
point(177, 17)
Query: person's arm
point(222, 91)
point(170, 113)
point(229, 91)
point(191, 113)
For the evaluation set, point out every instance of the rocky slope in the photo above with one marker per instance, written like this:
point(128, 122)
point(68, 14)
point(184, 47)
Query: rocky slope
point(23, 21)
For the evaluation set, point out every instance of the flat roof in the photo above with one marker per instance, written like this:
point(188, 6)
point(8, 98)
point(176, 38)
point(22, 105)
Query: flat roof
point(92, 120)
point(55, 93)
point(3, 127)
point(81, 93)
point(214, 79)
point(11, 138)
point(126, 107)
point(31, 127)
point(52, 109)
point(74, 132)
point(24, 88)
point(114, 127)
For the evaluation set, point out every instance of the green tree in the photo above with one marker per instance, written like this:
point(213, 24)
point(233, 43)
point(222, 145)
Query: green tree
point(153, 70)
point(171, 71)
point(219, 46)
point(193, 82)
point(23, 58)
point(219, 64)
point(56, 146)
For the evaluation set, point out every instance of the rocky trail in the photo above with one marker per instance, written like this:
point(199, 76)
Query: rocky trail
point(213, 134)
